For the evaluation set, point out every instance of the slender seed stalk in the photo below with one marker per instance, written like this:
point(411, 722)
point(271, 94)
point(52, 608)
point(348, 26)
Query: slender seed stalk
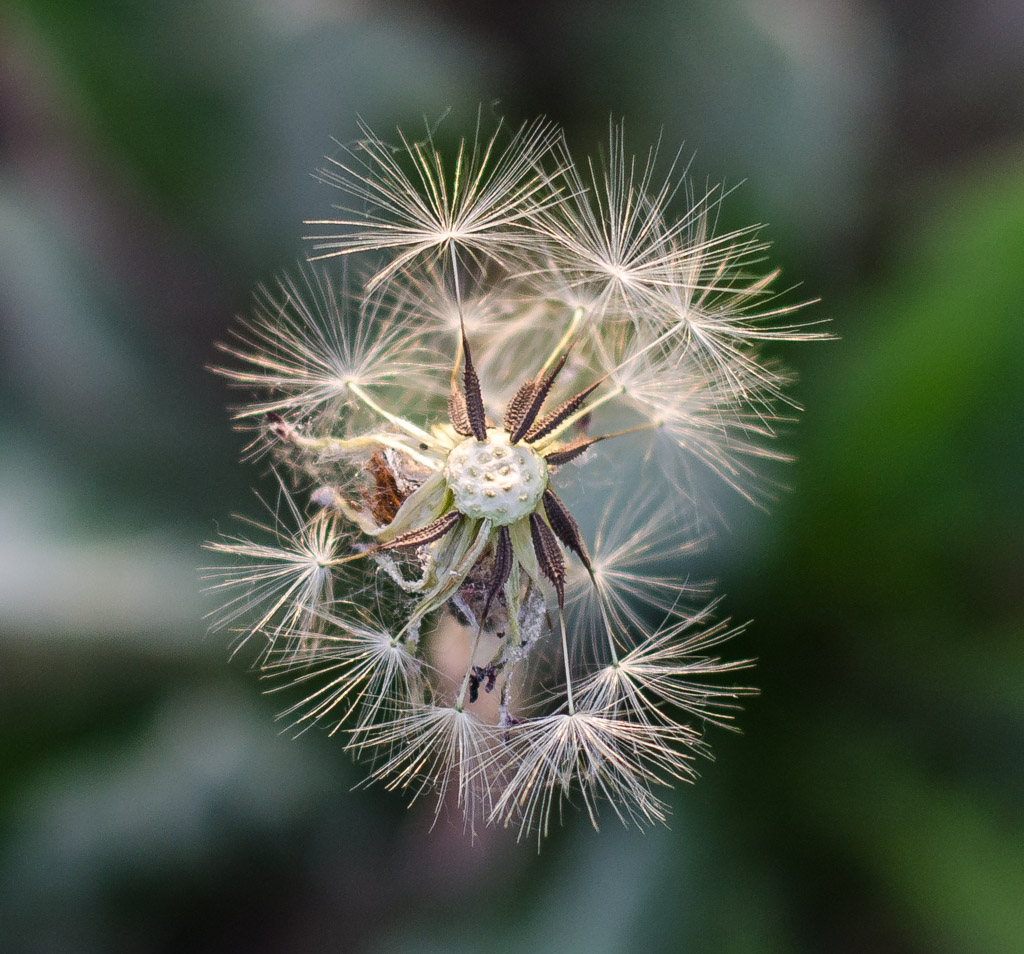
point(612, 648)
point(411, 429)
point(342, 445)
point(565, 659)
point(577, 316)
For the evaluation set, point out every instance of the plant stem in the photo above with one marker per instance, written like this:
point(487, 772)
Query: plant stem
point(577, 316)
point(411, 429)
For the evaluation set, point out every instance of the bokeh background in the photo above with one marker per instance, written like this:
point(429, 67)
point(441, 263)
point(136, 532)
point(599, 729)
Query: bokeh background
point(155, 160)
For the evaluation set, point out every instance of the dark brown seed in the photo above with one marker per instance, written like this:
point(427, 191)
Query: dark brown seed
point(428, 534)
point(541, 391)
point(475, 412)
point(549, 556)
point(548, 423)
point(457, 413)
point(565, 527)
point(570, 451)
point(279, 426)
point(519, 405)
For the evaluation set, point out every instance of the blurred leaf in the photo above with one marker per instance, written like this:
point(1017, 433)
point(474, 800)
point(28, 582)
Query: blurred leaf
point(596, 901)
point(916, 448)
point(948, 856)
point(223, 108)
point(176, 807)
point(784, 97)
point(897, 678)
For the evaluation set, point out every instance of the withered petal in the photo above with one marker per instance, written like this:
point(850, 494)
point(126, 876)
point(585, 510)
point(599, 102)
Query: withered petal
point(502, 568)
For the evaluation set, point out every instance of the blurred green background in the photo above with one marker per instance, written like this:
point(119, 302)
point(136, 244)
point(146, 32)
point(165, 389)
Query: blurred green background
point(154, 165)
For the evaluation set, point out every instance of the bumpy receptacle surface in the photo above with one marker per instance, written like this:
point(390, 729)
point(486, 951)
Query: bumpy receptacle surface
point(495, 480)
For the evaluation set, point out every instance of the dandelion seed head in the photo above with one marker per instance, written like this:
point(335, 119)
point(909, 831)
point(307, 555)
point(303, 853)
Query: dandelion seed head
point(493, 398)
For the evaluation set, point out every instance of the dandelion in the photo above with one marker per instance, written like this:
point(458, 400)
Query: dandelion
point(473, 210)
point(486, 590)
point(278, 588)
point(308, 347)
point(352, 664)
point(599, 754)
point(611, 238)
point(635, 558)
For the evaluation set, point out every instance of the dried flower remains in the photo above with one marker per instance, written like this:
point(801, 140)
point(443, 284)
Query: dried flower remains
point(490, 400)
